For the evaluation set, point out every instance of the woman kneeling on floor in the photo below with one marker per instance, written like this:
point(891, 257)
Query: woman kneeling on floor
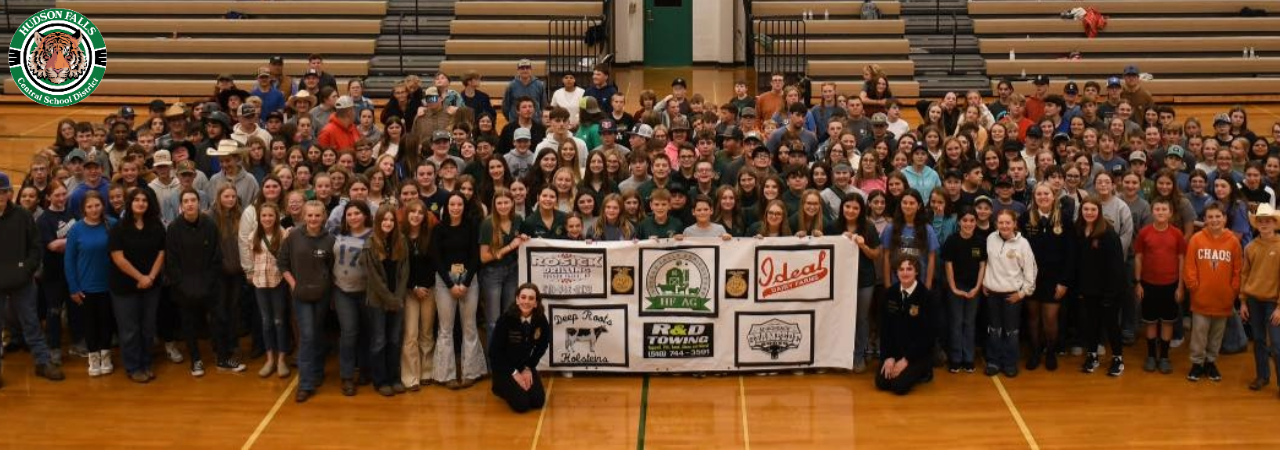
point(520, 339)
point(906, 333)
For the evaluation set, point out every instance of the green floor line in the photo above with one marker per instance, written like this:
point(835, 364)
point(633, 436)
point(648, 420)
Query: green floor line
point(644, 412)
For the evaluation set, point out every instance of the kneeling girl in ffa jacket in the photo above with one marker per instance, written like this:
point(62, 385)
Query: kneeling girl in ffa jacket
point(1212, 276)
point(520, 338)
point(386, 268)
point(1010, 278)
point(906, 331)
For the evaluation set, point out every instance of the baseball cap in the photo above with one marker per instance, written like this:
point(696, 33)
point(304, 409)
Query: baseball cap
point(1113, 82)
point(127, 111)
point(1175, 150)
point(264, 72)
point(731, 132)
point(879, 119)
point(677, 188)
point(752, 135)
point(311, 73)
point(953, 174)
point(759, 149)
point(524, 63)
point(1012, 146)
point(1131, 70)
point(1034, 132)
point(5, 184)
point(522, 134)
point(440, 135)
point(919, 147)
point(1041, 80)
point(1061, 137)
point(248, 110)
point(679, 82)
point(748, 112)
point(1221, 118)
point(344, 102)
point(1004, 180)
point(186, 167)
point(608, 126)
point(277, 115)
point(642, 130)
point(161, 158)
point(90, 161)
point(276, 60)
point(982, 199)
point(431, 91)
point(1138, 156)
point(1071, 88)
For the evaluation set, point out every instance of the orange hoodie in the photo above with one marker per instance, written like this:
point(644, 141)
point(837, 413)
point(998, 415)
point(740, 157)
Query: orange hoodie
point(1212, 272)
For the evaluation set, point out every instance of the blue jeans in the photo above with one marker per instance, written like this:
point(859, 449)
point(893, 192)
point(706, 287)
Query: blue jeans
point(962, 314)
point(275, 330)
point(1233, 339)
point(862, 329)
point(24, 305)
point(384, 329)
point(136, 323)
point(1263, 331)
point(1003, 320)
point(310, 316)
point(498, 287)
point(348, 306)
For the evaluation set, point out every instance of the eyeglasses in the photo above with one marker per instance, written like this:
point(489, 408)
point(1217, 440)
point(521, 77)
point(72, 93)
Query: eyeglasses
point(774, 213)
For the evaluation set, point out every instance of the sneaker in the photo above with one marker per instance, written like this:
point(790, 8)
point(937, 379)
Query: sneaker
point(348, 387)
point(104, 362)
point(79, 350)
point(1166, 366)
point(197, 368)
point(175, 355)
point(1150, 364)
point(1197, 370)
point(231, 365)
point(1175, 343)
point(567, 374)
point(95, 364)
point(1011, 371)
point(1051, 362)
point(1211, 368)
point(953, 367)
point(398, 387)
point(968, 367)
point(991, 370)
point(139, 377)
point(50, 372)
point(1117, 367)
point(1090, 363)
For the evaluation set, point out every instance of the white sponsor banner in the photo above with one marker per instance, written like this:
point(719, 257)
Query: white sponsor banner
point(696, 304)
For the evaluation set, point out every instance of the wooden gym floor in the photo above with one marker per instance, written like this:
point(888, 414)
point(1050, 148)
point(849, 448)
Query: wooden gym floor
point(1038, 409)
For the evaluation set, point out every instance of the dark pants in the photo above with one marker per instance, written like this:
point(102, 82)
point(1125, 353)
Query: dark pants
point(310, 316)
point(23, 303)
point(1101, 322)
point(168, 318)
point(915, 373)
point(1003, 320)
point(385, 330)
point(194, 313)
point(517, 398)
point(55, 299)
point(98, 321)
point(230, 298)
point(1264, 353)
point(136, 320)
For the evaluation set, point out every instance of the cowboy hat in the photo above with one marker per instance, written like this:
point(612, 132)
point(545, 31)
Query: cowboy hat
point(1265, 210)
point(302, 95)
point(177, 111)
point(226, 147)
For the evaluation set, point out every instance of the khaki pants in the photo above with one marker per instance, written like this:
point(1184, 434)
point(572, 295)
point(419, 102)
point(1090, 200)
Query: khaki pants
point(419, 339)
point(1206, 337)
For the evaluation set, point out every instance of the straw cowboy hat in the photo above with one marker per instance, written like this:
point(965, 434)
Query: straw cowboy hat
point(1265, 210)
point(226, 147)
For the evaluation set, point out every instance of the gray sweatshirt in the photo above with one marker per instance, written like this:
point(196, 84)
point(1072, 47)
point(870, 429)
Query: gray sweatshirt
point(1117, 212)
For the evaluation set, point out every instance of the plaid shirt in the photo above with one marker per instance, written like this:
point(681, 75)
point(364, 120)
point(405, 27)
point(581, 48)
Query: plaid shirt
point(265, 273)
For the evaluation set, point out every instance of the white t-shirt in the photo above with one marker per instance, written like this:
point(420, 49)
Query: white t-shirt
point(570, 101)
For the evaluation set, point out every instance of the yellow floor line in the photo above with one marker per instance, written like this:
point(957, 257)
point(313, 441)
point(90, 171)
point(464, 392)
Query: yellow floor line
point(1017, 417)
point(742, 400)
point(537, 432)
point(270, 415)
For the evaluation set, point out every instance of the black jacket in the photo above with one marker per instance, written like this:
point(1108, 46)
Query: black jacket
point(20, 253)
point(310, 260)
point(1100, 266)
point(1054, 250)
point(193, 261)
point(517, 345)
point(906, 325)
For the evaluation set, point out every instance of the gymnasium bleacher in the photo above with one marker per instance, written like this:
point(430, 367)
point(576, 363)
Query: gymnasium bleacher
point(840, 44)
point(1191, 48)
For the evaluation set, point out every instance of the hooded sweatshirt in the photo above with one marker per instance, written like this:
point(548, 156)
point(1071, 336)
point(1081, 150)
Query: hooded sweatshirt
point(1212, 272)
point(1011, 266)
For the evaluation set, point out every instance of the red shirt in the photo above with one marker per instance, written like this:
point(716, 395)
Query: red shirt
point(1160, 251)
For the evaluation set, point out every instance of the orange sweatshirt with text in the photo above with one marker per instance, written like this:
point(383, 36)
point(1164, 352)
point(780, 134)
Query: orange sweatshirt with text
point(1212, 272)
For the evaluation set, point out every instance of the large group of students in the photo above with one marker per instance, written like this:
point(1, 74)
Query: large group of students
point(1031, 227)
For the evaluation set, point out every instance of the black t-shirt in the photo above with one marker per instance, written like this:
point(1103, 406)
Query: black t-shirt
point(866, 266)
point(965, 255)
point(140, 247)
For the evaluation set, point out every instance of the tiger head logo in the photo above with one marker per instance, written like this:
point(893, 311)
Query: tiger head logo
point(58, 57)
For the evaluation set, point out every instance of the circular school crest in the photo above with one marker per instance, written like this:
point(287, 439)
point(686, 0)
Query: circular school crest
point(57, 57)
